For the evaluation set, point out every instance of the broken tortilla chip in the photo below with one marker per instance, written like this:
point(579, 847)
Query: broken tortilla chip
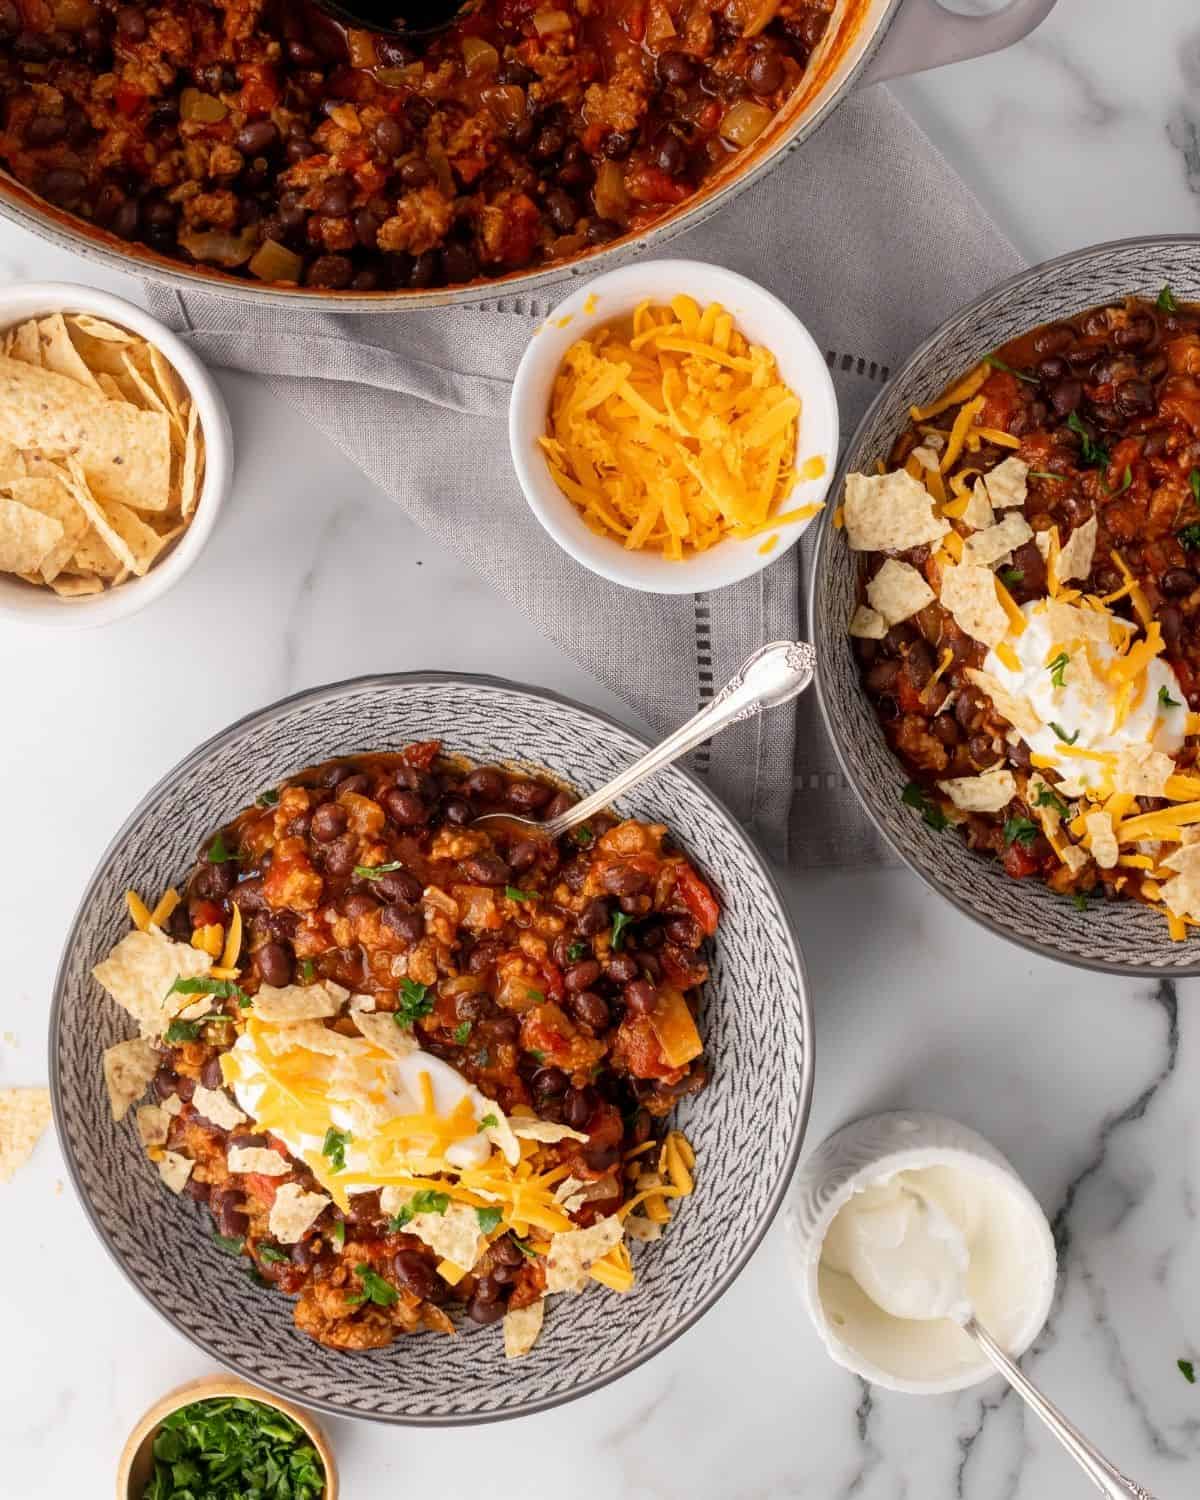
point(24, 1115)
point(128, 1068)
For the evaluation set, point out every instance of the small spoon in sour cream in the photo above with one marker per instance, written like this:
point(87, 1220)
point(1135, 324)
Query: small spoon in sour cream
point(912, 1258)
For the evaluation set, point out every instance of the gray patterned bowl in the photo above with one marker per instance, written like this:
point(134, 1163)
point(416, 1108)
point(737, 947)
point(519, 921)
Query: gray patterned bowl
point(747, 1126)
point(1118, 938)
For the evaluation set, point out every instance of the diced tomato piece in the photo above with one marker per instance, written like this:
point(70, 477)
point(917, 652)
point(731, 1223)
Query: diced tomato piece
point(1019, 862)
point(128, 99)
point(1000, 399)
point(262, 1187)
point(698, 899)
point(653, 185)
point(421, 755)
point(260, 92)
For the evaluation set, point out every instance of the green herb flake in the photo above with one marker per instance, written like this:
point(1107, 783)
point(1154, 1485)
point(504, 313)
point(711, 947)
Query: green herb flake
point(1010, 577)
point(306, 970)
point(1093, 452)
point(218, 853)
point(1020, 831)
point(1126, 480)
point(1079, 901)
point(998, 364)
point(415, 1002)
point(583, 835)
point(538, 996)
point(181, 1031)
point(231, 1243)
point(334, 1147)
point(621, 921)
point(338, 1233)
point(1057, 667)
point(272, 1256)
point(398, 1221)
point(381, 1292)
point(915, 795)
point(1166, 701)
point(1165, 302)
point(1048, 798)
point(577, 951)
point(429, 1201)
point(1044, 474)
point(223, 989)
point(489, 1122)
point(461, 1032)
point(376, 872)
point(1187, 1369)
point(229, 1447)
point(1067, 739)
point(488, 1219)
point(1189, 537)
point(537, 1055)
point(267, 799)
point(514, 894)
point(1194, 482)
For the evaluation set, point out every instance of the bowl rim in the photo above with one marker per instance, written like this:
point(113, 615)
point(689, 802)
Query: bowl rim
point(824, 532)
point(804, 1087)
point(127, 599)
point(555, 513)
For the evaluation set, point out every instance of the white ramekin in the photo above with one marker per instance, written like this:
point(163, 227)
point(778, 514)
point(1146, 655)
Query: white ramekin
point(865, 1151)
point(758, 314)
point(42, 606)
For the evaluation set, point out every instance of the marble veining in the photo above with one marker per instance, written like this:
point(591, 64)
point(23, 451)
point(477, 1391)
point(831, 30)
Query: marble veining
point(1089, 130)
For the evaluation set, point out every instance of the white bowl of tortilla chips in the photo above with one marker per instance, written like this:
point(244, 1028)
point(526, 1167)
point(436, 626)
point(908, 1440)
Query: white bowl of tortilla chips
point(115, 456)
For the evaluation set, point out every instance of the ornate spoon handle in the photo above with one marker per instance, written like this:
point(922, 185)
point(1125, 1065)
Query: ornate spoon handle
point(1108, 1480)
point(773, 675)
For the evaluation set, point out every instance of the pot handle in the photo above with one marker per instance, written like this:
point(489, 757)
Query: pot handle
point(925, 35)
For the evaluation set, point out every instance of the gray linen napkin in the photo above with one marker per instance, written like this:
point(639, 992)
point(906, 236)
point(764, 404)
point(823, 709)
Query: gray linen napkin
point(865, 231)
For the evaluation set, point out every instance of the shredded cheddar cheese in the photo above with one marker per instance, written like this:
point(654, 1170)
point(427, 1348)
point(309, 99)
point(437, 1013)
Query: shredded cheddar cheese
point(671, 431)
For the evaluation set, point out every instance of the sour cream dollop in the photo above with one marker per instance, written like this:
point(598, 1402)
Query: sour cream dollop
point(1085, 706)
point(907, 1250)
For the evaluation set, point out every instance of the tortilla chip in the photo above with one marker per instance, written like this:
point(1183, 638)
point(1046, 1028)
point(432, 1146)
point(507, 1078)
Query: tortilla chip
point(126, 454)
point(133, 361)
point(1142, 771)
point(93, 558)
point(109, 386)
point(169, 385)
point(1073, 857)
point(979, 514)
point(173, 1104)
point(1070, 624)
point(140, 971)
point(60, 354)
point(294, 1212)
point(638, 1227)
point(189, 484)
point(898, 591)
point(24, 344)
point(1006, 484)
point(70, 586)
point(545, 1131)
point(454, 1235)
point(1018, 711)
point(52, 498)
point(217, 1106)
point(988, 792)
point(142, 542)
point(521, 1328)
point(989, 546)
point(24, 1115)
point(889, 513)
point(969, 593)
point(27, 537)
point(1105, 849)
point(12, 462)
point(867, 624)
point(299, 1002)
point(259, 1159)
point(381, 1031)
point(128, 1068)
point(927, 456)
point(1077, 553)
point(175, 1169)
point(572, 1254)
point(100, 519)
point(153, 1125)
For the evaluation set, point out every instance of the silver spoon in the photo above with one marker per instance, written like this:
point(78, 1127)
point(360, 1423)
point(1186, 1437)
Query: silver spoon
point(1108, 1480)
point(773, 675)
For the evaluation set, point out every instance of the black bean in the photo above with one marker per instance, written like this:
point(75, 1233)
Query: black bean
point(550, 141)
point(590, 1008)
point(197, 1190)
point(669, 153)
point(332, 271)
point(210, 1074)
point(640, 1127)
point(579, 1106)
point(388, 136)
point(621, 968)
point(64, 186)
point(485, 783)
point(1170, 619)
point(982, 750)
point(562, 210)
point(274, 964)
point(299, 148)
point(505, 1253)
point(528, 796)
point(30, 47)
point(479, 1310)
point(685, 931)
point(919, 663)
point(624, 880)
point(226, 1207)
point(1177, 582)
point(946, 730)
point(501, 1028)
point(342, 855)
point(398, 885)
point(676, 68)
point(1054, 339)
point(594, 918)
point(765, 73)
point(600, 231)
point(418, 111)
point(600, 1158)
point(523, 854)
point(640, 997)
point(405, 809)
point(404, 921)
point(581, 976)
point(1135, 398)
point(618, 144)
point(257, 137)
point(1065, 396)
point(881, 676)
point(45, 130)
point(131, 23)
point(359, 904)
point(164, 1083)
point(457, 811)
point(414, 1272)
point(550, 1083)
point(246, 1140)
point(329, 822)
point(459, 263)
point(485, 869)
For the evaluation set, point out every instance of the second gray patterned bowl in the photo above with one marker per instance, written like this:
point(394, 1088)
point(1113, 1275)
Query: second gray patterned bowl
point(747, 1126)
point(1117, 938)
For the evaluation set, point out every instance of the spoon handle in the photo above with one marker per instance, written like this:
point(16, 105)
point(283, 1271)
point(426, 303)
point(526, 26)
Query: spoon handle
point(1108, 1480)
point(773, 675)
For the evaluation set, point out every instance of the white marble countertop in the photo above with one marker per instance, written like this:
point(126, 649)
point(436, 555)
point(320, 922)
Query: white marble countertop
point(1089, 130)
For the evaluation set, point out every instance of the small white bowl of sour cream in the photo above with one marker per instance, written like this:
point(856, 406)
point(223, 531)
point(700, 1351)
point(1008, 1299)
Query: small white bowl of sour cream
point(902, 1222)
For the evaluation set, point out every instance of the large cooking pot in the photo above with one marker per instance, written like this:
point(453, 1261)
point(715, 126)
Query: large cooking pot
point(866, 41)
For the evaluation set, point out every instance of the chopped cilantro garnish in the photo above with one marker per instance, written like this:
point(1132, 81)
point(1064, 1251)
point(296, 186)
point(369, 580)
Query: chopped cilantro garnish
point(1044, 474)
point(1020, 831)
point(461, 1032)
point(230, 1243)
point(538, 996)
point(1187, 1369)
point(1010, 577)
point(1194, 481)
point(583, 835)
point(338, 1233)
point(1166, 300)
point(488, 1219)
point(1126, 480)
point(524, 1247)
point(223, 989)
point(225, 1447)
point(514, 894)
point(1079, 901)
point(489, 1122)
point(621, 921)
point(397, 1222)
point(537, 1055)
point(914, 795)
point(577, 951)
point(272, 1256)
point(217, 852)
point(255, 1275)
point(1057, 667)
point(429, 1201)
point(267, 799)
point(379, 1291)
point(1067, 739)
point(334, 1147)
point(373, 872)
point(1048, 798)
point(1189, 537)
point(415, 1001)
point(1166, 701)
point(306, 970)
point(1093, 452)
point(182, 1031)
point(998, 364)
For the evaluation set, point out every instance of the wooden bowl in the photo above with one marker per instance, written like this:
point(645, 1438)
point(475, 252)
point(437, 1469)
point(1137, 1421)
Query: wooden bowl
point(136, 1468)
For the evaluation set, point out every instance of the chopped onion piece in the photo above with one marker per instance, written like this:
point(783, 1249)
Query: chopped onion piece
point(549, 22)
point(203, 109)
point(479, 56)
point(275, 262)
point(218, 246)
point(745, 122)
